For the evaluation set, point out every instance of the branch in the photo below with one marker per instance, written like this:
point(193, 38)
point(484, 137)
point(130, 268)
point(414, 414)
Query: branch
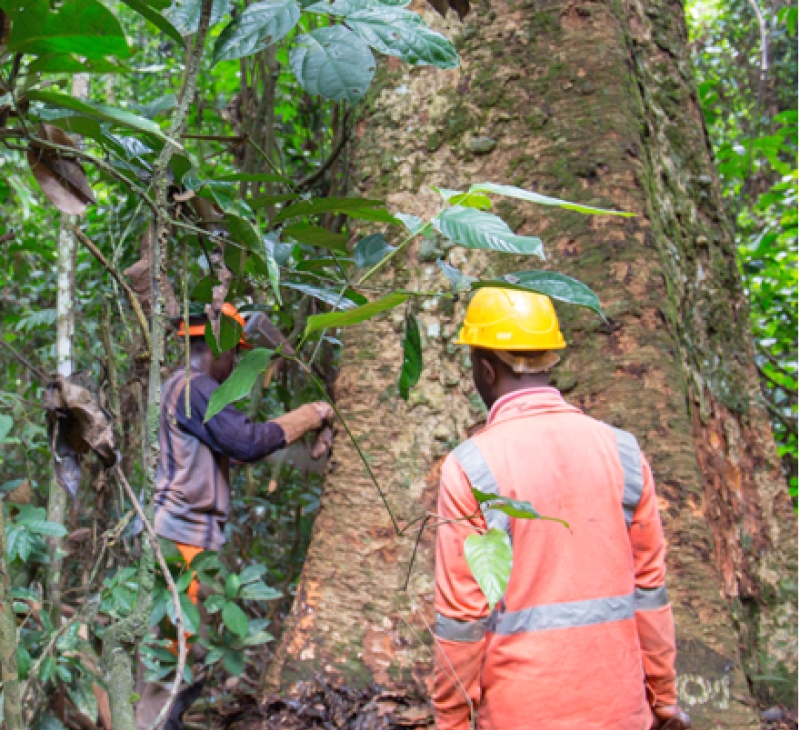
point(314, 176)
point(38, 373)
point(132, 298)
point(176, 599)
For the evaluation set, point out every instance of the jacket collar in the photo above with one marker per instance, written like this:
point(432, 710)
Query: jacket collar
point(529, 402)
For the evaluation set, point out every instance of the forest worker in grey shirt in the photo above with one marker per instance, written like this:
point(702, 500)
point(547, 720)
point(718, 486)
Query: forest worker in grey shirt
point(192, 499)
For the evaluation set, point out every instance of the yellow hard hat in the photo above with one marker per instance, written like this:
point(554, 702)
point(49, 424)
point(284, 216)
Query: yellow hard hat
point(506, 319)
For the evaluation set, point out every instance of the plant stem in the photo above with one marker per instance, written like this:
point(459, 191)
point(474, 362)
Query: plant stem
point(394, 253)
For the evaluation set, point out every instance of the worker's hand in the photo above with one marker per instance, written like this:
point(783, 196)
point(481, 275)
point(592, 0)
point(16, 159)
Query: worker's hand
point(324, 410)
point(310, 417)
point(323, 443)
point(670, 717)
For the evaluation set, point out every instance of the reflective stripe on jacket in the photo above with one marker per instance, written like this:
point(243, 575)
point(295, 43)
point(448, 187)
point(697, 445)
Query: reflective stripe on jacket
point(585, 625)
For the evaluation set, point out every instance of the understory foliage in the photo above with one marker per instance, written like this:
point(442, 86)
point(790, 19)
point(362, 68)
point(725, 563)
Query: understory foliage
point(747, 79)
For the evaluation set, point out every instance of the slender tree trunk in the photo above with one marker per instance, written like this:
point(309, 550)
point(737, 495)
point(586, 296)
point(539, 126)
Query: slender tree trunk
point(65, 333)
point(594, 102)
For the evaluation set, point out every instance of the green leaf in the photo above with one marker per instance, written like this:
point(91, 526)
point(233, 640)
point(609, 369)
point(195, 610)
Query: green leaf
point(82, 695)
point(233, 661)
point(552, 284)
point(512, 507)
point(465, 200)
point(403, 34)
point(67, 63)
point(259, 591)
point(329, 296)
point(84, 27)
point(191, 616)
point(6, 424)
point(371, 249)
point(119, 117)
point(240, 382)
point(156, 18)
point(475, 229)
point(157, 106)
point(232, 585)
point(184, 581)
point(514, 192)
point(230, 333)
point(252, 573)
point(489, 558)
point(235, 619)
point(207, 560)
point(213, 656)
point(411, 222)
point(334, 63)
point(261, 25)
point(48, 529)
point(185, 14)
point(49, 722)
point(348, 206)
point(316, 236)
point(412, 357)
point(215, 603)
point(343, 8)
point(353, 316)
point(262, 201)
point(244, 232)
point(258, 638)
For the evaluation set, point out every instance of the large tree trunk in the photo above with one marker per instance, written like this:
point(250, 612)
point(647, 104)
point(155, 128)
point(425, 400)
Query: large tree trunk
point(595, 102)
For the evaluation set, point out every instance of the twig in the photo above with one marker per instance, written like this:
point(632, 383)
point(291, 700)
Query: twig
point(38, 373)
point(173, 589)
point(414, 553)
point(132, 298)
point(323, 168)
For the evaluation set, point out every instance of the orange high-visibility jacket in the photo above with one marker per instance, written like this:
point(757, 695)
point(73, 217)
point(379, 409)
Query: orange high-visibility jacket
point(585, 631)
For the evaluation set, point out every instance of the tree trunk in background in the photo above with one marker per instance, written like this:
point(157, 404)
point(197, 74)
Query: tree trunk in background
point(593, 102)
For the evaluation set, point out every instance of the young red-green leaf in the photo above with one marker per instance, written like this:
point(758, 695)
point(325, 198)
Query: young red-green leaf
point(240, 382)
point(412, 357)
point(353, 316)
point(489, 558)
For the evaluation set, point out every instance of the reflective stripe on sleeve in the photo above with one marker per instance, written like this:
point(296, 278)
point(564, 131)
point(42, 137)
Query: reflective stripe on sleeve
point(631, 460)
point(563, 615)
point(473, 463)
point(649, 599)
point(452, 629)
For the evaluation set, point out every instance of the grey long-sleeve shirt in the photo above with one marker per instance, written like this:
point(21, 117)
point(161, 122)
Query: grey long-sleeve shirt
point(192, 498)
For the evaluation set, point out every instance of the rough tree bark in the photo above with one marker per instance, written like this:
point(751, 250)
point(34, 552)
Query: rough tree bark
point(595, 102)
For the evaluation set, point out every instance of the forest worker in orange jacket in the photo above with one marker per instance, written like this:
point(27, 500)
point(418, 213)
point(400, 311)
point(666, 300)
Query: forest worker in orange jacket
point(192, 494)
point(584, 636)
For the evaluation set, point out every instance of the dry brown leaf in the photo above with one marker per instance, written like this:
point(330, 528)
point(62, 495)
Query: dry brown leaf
point(442, 6)
point(139, 275)
point(61, 177)
point(22, 494)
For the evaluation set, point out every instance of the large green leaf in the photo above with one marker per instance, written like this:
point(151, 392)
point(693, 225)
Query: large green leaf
point(84, 27)
point(343, 8)
point(240, 382)
point(258, 591)
point(82, 695)
point(353, 316)
point(552, 284)
point(489, 558)
point(476, 229)
point(316, 236)
point(235, 619)
point(230, 332)
point(244, 232)
point(262, 201)
point(404, 34)
point(6, 424)
point(412, 357)
point(185, 14)
point(259, 26)
point(333, 62)
point(67, 63)
point(458, 281)
point(371, 249)
point(353, 207)
point(514, 192)
point(349, 300)
point(253, 177)
point(119, 117)
point(156, 18)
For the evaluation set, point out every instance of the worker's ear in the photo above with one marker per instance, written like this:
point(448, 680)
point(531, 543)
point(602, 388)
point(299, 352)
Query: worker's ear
point(488, 371)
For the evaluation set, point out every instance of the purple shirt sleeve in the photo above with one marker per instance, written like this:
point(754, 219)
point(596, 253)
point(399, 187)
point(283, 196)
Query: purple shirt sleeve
point(230, 432)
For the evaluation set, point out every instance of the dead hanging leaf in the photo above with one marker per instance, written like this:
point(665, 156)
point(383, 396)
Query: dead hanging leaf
point(22, 494)
point(218, 293)
point(60, 176)
point(261, 332)
point(76, 424)
point(140, 278)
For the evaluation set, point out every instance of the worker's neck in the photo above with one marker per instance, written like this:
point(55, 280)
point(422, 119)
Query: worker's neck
point(508, 385)
point(202, 361)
